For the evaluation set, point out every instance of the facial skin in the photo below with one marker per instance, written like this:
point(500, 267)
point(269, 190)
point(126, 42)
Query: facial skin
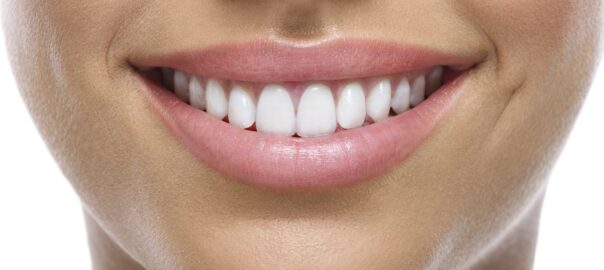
point(468, 198)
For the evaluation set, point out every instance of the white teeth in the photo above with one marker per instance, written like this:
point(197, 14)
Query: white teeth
point(316, 112)
point(197, 96)
point(181, 86)
point(275, 114)
point(351, 106)
point(242, 111)
point(216, 100)
point(400, 101)
point(418, 91)
point(435, 80)
point(378, 100)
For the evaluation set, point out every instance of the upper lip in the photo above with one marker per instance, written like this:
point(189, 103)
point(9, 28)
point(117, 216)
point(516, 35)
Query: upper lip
point(273, 61)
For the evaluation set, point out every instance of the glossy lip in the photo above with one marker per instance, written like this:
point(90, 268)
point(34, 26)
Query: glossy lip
point(340, 159)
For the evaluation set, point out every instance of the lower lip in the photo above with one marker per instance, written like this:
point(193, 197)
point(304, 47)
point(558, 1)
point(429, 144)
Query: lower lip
point(341, 159)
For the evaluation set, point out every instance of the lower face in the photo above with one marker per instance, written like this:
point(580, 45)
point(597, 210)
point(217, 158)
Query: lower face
point(333, 134)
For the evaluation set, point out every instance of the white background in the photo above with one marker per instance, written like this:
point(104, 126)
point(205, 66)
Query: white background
point(41, 225)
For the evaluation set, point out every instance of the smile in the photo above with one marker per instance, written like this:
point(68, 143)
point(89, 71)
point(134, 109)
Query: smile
point(308, 109)
point(280, 116)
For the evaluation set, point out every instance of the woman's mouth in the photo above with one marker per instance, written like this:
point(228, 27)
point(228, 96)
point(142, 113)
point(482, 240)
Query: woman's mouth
point(322, 116)
point(304, 109)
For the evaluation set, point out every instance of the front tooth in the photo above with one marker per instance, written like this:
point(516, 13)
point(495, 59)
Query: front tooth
point(418, 91)
point(275, 113)
point(197, 95)
point(435, 80)
point(400, 101)
point(216, 100)
point(378, 100)
point(316, 112)
point(181, 86)
point(351, 106)
point(242, 110)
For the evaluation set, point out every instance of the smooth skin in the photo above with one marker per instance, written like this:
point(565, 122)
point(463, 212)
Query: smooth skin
point(469, 198)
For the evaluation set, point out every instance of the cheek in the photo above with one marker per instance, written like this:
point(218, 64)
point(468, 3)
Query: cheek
point(536, 28)
point(523, 18)
point(52, 43)
point(539, 43)
point(59, 53)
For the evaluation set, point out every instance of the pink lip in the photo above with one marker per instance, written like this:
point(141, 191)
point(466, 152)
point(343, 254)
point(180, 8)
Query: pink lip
point(270, 61)
point(341, 159)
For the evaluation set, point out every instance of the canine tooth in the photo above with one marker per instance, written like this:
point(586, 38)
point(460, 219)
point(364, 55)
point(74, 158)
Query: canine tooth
point(400, 101)
point(275, 112)
point(242, 110)
point(168, 78)
point(351, 109)
point(181, 86)
point(197, 95)
point(418, 91)
point(435, 80)
point(378, 100)
point(316, 112)
point(216, 100)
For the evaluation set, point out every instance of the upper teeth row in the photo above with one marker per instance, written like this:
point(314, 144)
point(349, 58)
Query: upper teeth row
point(317, 112)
